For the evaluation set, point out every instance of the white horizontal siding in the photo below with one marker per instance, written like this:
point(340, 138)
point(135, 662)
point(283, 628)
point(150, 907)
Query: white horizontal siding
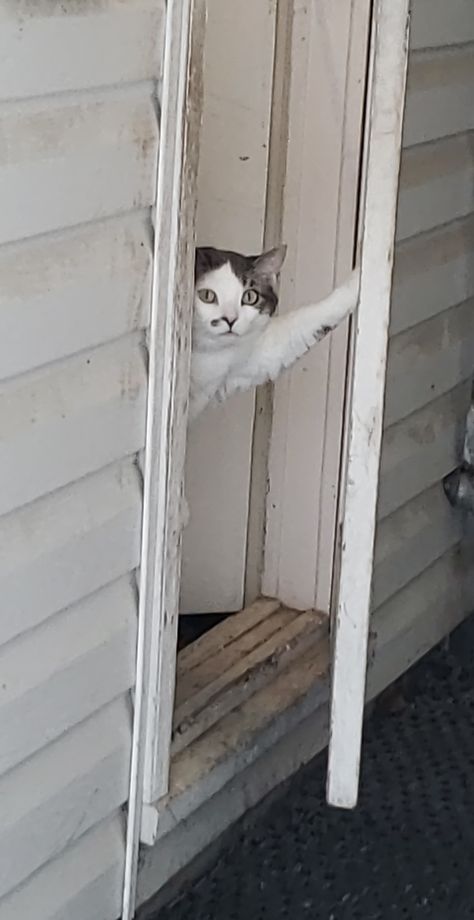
point(53, 47)
point(419, 450)
point(79, 141)
point(86, 287)
point(410, 539)
point(73, 417)
point(435, 23)
point(419, 616)
point(67, 545)
point(55, 676)
point(432, 589)
point(422, 582)
point(433, 271)
point(428, 360)
point(56, 796)
point(83, 882)
point(440, 93)
point(68, 161)
point(436, 184)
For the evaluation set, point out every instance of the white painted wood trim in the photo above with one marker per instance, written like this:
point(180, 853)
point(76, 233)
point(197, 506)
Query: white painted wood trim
point(384, 133)
point(328, 64)
point(274, 209)
point(169, 355)
point(237, 144)
point(338, 357)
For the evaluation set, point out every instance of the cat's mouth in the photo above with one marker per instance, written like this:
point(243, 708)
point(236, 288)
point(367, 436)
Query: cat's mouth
point(228, 334)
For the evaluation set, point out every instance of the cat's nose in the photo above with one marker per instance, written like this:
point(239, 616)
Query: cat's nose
point(230, 322)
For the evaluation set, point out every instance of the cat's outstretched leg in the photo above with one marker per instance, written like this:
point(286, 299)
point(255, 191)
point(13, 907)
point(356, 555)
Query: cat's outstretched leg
point(289, 336)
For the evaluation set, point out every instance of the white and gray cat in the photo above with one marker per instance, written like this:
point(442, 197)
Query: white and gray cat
point(238, 342)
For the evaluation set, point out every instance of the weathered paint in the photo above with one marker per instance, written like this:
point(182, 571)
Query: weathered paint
point(359, 498)
point(169, 360)
point(220, 684)
point(214, 759)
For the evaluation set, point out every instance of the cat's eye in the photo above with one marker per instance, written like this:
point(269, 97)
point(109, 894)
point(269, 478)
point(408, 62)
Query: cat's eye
point(251, 297)
point(207, 296)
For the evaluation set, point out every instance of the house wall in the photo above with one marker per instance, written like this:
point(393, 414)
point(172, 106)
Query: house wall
point(423, 579)
point(78, 143)
point(422, 585)
point(78, 147)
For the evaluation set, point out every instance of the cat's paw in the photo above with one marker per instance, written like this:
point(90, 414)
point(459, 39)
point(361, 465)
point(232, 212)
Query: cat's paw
point(350, 291)
point(342, 302)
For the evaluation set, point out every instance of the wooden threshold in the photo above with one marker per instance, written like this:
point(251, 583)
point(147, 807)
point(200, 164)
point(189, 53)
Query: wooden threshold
point(240, 688)
point(299, 732)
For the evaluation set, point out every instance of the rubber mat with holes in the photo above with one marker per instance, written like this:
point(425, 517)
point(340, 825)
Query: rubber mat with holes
point(406, 852)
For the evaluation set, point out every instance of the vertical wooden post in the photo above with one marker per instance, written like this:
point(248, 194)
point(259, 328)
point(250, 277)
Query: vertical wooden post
point(169, 356)
point(384, 136)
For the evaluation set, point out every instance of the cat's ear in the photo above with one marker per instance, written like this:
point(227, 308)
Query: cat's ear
point(202, 261)
point(270, 263)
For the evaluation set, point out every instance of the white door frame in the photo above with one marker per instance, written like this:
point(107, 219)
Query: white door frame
point(232, 181)
point(169, 358)
point(389, 57)
point(319, 213)
point(169, 349)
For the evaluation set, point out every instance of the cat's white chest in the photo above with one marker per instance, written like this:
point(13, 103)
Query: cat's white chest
point(210, 370)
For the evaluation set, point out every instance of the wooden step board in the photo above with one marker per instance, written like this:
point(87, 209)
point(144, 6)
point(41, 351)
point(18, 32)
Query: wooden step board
point(239, 688)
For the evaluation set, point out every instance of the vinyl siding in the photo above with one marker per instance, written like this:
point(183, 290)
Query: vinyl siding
point(423, 579)
point(79, 139)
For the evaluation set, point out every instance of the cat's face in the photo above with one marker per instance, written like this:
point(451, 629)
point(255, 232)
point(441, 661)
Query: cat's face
point(234, 295)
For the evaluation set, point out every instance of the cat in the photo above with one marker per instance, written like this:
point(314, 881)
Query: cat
point(237, 341)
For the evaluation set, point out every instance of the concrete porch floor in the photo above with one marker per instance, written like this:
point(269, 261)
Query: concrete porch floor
point(406, 852)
